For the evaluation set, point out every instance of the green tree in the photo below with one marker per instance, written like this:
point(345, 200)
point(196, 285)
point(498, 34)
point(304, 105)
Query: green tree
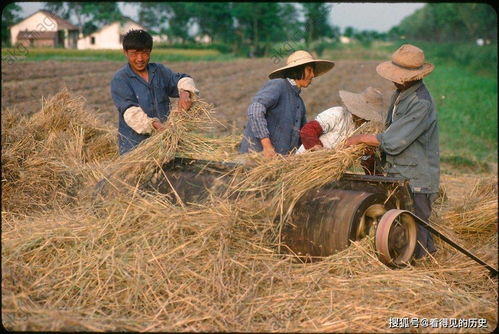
point(394, 33)
point(99, 14)
point(89, 15)
point(215, 20)
point(172, 18)
point(180, 19)
point(451, 22)
point(153, 16)
point(317, 21)
point(10, 16)
point(349, 32)
point(480, 20)
point(258, 25)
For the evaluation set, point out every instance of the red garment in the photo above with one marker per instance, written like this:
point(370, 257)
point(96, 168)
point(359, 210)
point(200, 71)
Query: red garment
point(310, 134)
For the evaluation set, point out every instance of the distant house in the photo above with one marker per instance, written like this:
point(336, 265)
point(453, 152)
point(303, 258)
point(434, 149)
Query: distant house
point(160, 38)
point(46, 29)
point(109, 36)
point(205, 39)
point(345, 40)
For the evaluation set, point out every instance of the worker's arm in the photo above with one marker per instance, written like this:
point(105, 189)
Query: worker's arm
point(179, 85)
point(371, 140)
point(138, 120)
point(310, 134)
point(406, 128)
point(268, 148)
point(186, 88)
point(127, 103)
point(266, 98)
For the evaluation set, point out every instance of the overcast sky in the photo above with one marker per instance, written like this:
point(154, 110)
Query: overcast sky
point(380, 16)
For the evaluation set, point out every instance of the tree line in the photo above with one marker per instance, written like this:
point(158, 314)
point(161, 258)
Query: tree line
point(255, 28)
point(242, 26)
point(450, 22)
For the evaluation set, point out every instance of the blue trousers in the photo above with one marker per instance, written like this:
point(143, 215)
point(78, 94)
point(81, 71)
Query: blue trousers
point(422, 209)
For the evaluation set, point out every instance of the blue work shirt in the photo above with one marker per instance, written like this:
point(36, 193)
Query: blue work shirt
point(284, 112)
point(410, 141)
point(128, 89)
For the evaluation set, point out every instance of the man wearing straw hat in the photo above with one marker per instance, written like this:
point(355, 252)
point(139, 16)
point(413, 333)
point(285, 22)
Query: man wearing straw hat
point(141, 92)
point(334, 125)
point(410, 141)
point(277, 111)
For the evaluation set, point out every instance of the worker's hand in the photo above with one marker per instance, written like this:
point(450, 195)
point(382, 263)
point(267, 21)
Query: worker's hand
point(353, 140)
point(158, 126)
point(184, 101)
point(316, 148)
point(370, 140)
point(269, 152)
point(268, 148)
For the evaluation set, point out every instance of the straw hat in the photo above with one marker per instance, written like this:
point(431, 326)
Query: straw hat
point(301, 57)
point(408, 64)
point(367, 105)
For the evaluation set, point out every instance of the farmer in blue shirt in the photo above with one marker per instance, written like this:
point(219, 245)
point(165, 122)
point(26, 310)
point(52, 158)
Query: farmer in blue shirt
point(141, 92)
point(277, 112)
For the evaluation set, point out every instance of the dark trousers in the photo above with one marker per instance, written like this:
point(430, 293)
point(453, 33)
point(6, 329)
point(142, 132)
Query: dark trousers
point(422, 209)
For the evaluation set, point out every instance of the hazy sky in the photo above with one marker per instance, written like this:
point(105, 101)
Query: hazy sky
point(379, 16)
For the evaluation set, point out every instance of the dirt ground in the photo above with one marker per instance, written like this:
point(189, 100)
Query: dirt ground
point(229, 86)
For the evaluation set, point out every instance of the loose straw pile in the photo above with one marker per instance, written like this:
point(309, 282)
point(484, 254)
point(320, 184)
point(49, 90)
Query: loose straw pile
point(142, 263)
point(185, 135)
point(45, 157)
point(284, 180)
point(478, 212)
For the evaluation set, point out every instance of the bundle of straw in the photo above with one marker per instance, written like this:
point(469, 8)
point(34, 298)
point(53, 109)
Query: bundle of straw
point(44, 156)
point(186, 134)
point(283, 181)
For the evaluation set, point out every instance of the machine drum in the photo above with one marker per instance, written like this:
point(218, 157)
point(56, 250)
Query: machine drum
point(325, 220)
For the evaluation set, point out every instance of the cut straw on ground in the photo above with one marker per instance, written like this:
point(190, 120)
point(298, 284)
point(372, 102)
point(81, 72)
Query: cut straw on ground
point(142, 262)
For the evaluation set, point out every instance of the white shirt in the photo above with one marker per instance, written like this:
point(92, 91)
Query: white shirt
point(337, 125)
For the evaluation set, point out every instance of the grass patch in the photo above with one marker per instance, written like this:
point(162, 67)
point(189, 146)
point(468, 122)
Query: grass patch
point(465, 164)
point(355, 51)
point(159, 55)
point(467, 112)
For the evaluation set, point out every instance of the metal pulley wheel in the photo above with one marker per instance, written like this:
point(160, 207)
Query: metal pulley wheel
point(369, 221)
point(396, 237)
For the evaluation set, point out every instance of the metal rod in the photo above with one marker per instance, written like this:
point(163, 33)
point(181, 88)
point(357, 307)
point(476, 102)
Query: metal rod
point(451, 242)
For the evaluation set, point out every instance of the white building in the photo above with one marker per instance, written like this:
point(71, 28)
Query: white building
point(45, 29)
point(205, 39)
point(109, 36)
point(161, 38)
point(345, 40)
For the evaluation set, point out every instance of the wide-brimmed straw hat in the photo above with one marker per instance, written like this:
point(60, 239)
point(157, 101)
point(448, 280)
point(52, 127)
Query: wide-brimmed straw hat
point(301, 57)
point(407, 64)
point(367, 105)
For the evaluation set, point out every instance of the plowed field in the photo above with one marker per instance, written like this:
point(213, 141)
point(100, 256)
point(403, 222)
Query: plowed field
point(228, 85)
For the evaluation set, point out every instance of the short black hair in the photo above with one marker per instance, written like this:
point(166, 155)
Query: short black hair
point(297, 72)
point(137, 40)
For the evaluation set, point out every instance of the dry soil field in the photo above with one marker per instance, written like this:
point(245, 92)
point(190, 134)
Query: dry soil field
point(228, 85)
